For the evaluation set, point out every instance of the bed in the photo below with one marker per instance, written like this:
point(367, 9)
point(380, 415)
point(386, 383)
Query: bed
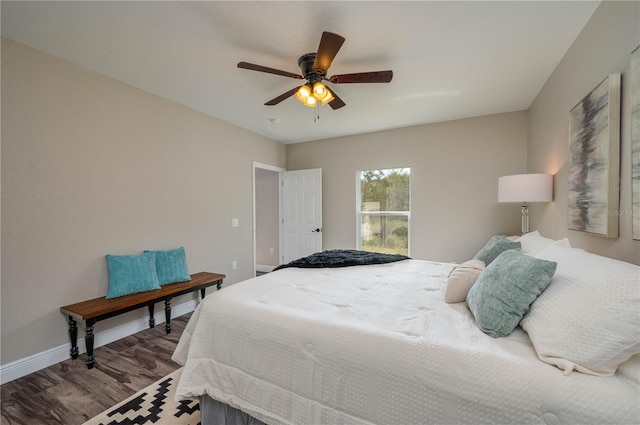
point(377, 344)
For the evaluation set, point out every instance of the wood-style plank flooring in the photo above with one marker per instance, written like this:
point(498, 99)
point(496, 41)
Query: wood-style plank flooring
point(68, 393)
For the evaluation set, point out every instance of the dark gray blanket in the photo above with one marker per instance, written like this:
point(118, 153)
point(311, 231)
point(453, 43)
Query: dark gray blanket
point(342, 258)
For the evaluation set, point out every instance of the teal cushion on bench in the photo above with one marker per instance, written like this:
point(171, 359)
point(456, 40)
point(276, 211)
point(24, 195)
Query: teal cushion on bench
point(171, 266)
point(130, 274)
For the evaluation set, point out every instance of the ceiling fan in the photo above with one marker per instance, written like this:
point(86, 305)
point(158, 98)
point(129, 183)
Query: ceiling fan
point(314, 67)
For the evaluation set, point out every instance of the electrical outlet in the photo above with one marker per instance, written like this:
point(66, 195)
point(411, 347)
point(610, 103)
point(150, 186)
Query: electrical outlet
point(234, 264)
point(270, 251)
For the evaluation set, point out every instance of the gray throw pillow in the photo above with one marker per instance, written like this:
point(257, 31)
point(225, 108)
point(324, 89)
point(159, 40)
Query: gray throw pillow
point(505, 290)
point(494, 247)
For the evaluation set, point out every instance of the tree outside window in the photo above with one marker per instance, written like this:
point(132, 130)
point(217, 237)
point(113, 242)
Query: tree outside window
point(384, 201)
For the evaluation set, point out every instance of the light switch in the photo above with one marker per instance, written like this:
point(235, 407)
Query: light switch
point(235, 222)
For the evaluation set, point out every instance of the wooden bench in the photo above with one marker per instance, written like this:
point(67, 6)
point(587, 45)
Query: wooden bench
point(92, 311)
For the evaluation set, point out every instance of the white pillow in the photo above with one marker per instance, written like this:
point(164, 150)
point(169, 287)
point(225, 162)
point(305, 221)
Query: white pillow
point(461, 279)
point(532, 243)
point(588, 319)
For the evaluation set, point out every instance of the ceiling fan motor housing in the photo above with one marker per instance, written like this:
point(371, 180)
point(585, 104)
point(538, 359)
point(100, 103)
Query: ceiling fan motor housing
point(306, 67)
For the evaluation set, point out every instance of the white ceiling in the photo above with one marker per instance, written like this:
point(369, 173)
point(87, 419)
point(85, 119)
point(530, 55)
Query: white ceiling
point(450, 59)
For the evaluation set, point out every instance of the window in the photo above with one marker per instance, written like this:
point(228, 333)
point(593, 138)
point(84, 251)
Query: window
point(384, 210)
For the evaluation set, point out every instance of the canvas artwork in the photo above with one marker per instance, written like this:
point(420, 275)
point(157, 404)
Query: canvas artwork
point(635, 140)
point(594, 160)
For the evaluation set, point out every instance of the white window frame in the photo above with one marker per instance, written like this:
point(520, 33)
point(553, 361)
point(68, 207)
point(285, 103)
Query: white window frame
point(360, 213)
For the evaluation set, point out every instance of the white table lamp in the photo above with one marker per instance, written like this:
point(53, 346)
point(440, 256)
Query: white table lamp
point(525, 189)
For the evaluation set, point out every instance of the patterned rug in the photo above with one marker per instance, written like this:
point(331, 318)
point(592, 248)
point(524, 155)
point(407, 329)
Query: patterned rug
point(152, 405)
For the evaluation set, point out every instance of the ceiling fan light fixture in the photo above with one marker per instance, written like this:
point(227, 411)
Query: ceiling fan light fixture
point(327, 98)
point(311, 96)
point(303, 93)
point(311, 101)
point(319, 91)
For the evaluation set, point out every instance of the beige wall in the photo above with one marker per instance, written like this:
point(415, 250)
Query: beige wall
point(454, 180)
point(602, 48)
point(92, 166)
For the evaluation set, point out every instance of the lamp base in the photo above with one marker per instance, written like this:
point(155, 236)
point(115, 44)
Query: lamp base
point(525, 218)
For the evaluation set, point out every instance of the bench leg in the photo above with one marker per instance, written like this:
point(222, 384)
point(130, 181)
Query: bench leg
point(167, 314)
point(152, 319)
point(73, 335)
point(88, 339)
point(219, 284)
point(202, 293)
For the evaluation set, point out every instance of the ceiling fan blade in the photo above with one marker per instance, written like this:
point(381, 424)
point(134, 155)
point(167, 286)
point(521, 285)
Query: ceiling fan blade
point(363, 77)
point(282, 97)
point(260, 68)
point(336, 103)
point(330, 43)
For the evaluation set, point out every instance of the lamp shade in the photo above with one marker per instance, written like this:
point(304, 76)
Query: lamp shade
point(525, 188)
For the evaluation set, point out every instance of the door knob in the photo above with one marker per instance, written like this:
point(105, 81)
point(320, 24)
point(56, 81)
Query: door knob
point(318, 230)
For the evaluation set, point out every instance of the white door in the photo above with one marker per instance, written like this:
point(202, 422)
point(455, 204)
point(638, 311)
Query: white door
point(301, 213)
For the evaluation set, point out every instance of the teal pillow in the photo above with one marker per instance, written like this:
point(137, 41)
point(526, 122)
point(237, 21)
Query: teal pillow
point(494, 247)
point(171, 266)
point(130, 274)
point(505, 290)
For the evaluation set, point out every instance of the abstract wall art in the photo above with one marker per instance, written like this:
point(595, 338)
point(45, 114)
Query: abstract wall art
point(635, 140)
point(594, 161)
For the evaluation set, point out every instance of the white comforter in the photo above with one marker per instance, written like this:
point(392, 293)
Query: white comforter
point(377, 344)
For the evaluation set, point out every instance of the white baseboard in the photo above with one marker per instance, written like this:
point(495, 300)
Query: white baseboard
point(35, 362)
point(264, 269)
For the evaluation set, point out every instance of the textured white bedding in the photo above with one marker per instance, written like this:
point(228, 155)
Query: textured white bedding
point(377, 344)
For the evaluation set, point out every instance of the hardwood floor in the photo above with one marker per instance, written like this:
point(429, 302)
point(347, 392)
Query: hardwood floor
point(68, 393)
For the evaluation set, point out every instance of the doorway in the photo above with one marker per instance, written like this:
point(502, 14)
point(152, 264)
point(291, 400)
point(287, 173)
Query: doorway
point(266, 217)
point(287, 215)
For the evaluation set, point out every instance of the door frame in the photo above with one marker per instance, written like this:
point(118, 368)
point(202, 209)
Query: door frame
point(278, 170)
